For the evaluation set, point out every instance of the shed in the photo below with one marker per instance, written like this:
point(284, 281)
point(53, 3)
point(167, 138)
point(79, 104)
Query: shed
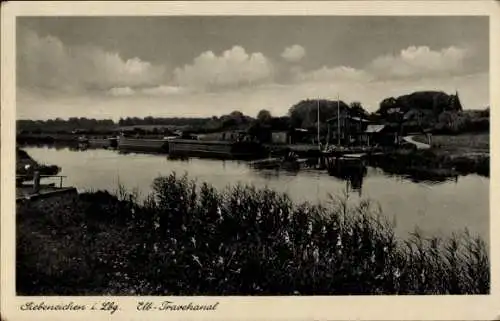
point(380, 134)
point(374, 128)
point(279, 137)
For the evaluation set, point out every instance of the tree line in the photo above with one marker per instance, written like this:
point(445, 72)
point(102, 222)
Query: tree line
point(425, 110)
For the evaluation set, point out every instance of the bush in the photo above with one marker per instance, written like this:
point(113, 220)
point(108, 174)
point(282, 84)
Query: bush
point(191, 239)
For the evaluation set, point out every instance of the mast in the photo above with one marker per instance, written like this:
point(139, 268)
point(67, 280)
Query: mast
point(338, 120)
point(319, 146)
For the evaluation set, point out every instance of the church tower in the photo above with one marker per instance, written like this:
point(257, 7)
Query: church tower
point(454, 103)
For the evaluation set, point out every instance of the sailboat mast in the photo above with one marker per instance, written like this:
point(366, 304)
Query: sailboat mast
point(338, 120)
point(319, 146)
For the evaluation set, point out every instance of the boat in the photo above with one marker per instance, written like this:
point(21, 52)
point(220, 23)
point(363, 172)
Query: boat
point(144, 144)
point(215, 149)
point(82, 140)
point(345, 164)
point(109, 142)
point(278, 163)
point(266, 163)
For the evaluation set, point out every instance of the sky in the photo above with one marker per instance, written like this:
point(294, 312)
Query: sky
point(191, 66)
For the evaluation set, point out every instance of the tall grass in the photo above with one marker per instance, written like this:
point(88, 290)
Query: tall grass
point(191, 239)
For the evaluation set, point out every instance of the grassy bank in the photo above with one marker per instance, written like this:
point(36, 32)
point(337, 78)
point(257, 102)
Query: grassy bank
point(188, 239)
point(467, 153)
point(26, 165)
point(464, 143)
point(434, 162)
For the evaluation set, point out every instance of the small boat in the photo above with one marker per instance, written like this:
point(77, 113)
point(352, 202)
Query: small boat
point(82, 140)
point(272, 162)
point(347, 163)
point(289, 162)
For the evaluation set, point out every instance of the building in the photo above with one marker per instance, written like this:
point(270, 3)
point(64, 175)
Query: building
point(379, 134)
point(346, 130)
point(280, 137)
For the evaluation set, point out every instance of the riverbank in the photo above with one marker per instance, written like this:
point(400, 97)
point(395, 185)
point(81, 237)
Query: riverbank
point(187, 239)
point(467, 153)
point(26, 166)
point(448, 155)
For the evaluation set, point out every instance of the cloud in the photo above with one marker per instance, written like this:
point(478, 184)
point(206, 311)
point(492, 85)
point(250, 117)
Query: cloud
point(163, 90)
point(46, 62)
point(234, 67)
point(421, 61)
point(412, 62)
point(342, 73)
point(294, 53)
point(121, 91)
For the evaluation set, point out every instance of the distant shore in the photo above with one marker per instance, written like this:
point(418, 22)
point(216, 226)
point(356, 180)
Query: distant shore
point(450, 155)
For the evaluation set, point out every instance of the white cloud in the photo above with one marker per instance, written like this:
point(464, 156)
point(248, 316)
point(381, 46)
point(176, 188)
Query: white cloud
point(234, 67)
point(420, 61)
point(121, 91)
point(46, 62)
point(473, 91)
point(163, 90)
point(412, 62)
point(294, 53)
point(342, 73)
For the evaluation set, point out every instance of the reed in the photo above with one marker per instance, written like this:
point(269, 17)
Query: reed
point(188, 238)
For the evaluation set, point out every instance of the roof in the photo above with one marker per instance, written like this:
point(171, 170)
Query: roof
point(374, 128)
point(350, 117)
point(360, 119)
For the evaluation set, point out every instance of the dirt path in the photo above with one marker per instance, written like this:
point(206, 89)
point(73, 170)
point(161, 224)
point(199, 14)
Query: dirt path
point(419, 145)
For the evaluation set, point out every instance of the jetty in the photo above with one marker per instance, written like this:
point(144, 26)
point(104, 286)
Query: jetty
point(30, 189)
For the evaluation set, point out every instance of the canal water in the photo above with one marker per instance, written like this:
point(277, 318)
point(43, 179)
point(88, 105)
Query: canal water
point(436, 208)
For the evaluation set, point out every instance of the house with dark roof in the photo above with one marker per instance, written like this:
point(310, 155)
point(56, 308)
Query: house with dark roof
point(345, 130)
point(380, 134)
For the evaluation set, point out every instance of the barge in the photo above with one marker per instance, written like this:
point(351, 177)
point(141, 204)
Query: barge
point(216, 149)
point(144, 144)
point(111, 142)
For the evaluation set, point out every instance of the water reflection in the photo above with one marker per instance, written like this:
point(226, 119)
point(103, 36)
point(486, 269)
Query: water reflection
point(274, 173)
point(427, 179)
point(353, 179)
point(434, 205)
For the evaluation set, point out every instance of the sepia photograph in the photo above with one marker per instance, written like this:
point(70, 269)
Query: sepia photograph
point(298, 162)
point(252, 155)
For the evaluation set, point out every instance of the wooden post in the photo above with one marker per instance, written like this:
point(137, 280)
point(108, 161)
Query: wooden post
point(36, 182)
point(60, 182)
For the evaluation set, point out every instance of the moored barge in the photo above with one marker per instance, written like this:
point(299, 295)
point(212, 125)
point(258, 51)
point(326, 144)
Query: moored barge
point(144, 144)
point(216, 149)
point(110, 142)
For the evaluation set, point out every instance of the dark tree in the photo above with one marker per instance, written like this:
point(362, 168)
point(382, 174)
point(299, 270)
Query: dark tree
point(358, 110)
point(264, 116)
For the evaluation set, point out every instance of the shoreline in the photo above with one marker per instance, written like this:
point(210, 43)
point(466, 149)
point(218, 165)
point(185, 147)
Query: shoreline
point(431, 163)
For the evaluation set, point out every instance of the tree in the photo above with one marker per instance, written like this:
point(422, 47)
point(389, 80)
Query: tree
point(264, 116)
point(387, 104)
point(358, 110)
point(305, 113)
